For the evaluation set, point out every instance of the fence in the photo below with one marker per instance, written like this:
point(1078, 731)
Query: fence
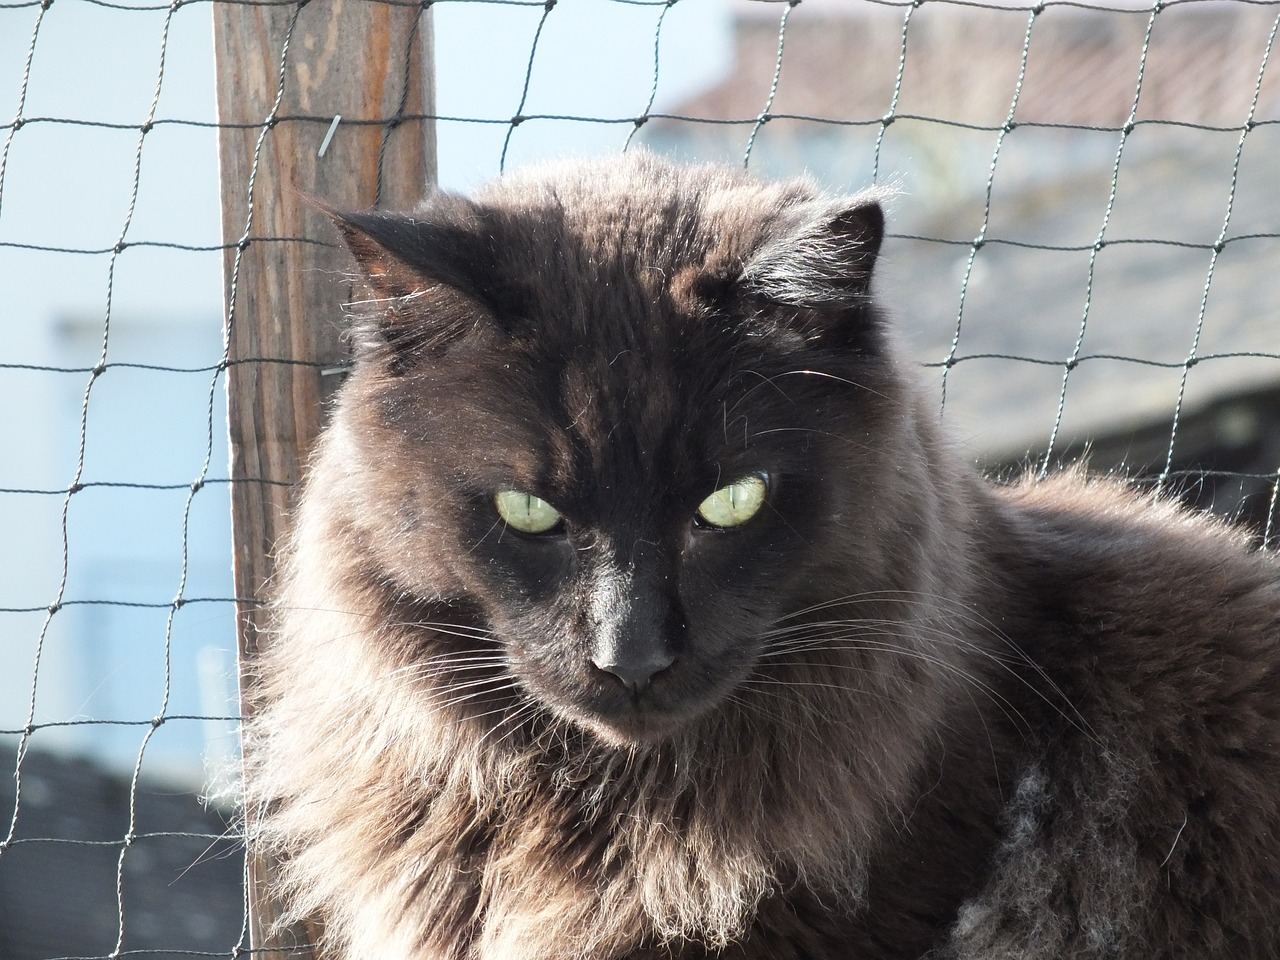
point(1083, 251)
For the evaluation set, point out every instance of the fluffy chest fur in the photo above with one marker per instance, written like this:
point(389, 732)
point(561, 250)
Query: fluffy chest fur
point(635, 608)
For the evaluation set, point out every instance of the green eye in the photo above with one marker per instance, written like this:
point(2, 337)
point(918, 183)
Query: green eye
point(525, 512)
point(735, 504)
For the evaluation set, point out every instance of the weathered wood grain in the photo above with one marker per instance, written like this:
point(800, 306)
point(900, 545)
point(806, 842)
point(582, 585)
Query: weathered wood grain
point(283, 73)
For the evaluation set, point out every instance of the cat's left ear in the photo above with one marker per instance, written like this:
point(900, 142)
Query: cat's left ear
point(820, 256)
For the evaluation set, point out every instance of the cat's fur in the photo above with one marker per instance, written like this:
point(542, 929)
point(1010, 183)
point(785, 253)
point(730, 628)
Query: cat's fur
point(909, 712)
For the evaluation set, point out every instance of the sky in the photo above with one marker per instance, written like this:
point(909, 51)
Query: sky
point(594, 58)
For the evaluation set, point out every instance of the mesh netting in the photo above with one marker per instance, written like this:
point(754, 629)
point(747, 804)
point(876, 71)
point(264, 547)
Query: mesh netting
point(1083, 259)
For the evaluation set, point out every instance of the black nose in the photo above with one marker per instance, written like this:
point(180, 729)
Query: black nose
point(634, 672)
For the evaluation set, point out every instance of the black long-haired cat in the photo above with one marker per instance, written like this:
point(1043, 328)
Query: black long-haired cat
point(636, 609)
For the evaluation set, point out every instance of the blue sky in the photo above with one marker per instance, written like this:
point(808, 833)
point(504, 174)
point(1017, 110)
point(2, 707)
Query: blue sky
point(594, 58)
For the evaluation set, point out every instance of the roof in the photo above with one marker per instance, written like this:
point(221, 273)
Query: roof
point(1152, 315)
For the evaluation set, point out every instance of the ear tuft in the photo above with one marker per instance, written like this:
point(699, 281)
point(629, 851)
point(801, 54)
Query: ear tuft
point(389, 276)
point(425, 271)
point(821, 255)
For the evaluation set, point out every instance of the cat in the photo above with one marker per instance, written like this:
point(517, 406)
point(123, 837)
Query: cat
point(637, 607)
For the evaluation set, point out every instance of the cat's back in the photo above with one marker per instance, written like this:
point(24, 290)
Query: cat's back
point(1149, 810)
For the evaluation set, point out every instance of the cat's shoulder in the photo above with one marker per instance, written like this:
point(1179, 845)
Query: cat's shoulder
point(1097, 527)
point(1144, 606)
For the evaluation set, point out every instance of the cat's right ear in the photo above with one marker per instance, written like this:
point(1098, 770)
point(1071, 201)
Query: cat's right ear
point(812, 274)
point(424, 271)
point(821, 256)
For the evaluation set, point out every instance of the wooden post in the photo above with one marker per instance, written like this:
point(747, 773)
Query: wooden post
point(284, 72)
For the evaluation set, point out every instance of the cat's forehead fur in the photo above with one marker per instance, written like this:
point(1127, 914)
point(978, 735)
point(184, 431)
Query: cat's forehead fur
point(594, 251)
point(641, 220)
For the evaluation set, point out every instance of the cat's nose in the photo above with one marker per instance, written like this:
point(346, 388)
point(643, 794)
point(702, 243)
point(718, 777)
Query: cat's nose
point(634, 672)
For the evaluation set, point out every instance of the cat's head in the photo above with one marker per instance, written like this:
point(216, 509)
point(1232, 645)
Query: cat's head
point(631, 414)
